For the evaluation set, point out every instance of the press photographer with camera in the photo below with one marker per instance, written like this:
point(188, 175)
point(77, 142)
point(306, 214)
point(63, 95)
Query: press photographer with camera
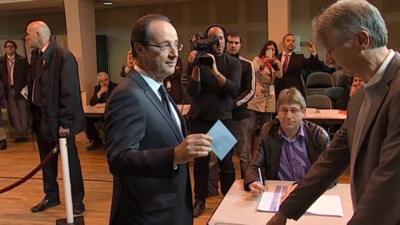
point(213, 85)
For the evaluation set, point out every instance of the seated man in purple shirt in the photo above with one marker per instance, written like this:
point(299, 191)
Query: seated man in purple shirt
point(289, 144)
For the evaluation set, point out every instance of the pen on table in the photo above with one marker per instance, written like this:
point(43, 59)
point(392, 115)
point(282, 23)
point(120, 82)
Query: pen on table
point(260, 176)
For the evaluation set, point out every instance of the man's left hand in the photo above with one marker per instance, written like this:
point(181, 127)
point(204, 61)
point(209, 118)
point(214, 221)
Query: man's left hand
point(63, 132)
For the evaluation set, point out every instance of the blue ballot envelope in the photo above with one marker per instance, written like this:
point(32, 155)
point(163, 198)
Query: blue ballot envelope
point(223, 140)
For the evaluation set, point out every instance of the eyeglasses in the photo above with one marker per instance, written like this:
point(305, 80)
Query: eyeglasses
point(9, 46)
point(285, 111)
point(166, 46)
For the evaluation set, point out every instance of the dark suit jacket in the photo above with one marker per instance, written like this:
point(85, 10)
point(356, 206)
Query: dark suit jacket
point(292, 77)
point(20, 72)
point(140, 140)
point(59, 93)
point(374, 166)
point(268, 156)
point(103, 98)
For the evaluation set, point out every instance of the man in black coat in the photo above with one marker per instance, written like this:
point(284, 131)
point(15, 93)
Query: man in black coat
point(147, 146)
point(101, 93)
point(13, 74)
point(213, 88)
point(293, 64)
point(54, 94)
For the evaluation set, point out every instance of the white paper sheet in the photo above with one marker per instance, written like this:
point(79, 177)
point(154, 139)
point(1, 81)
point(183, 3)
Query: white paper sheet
point(326, 205)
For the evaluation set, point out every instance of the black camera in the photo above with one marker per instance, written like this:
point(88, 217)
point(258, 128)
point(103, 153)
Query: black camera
point(204, 46)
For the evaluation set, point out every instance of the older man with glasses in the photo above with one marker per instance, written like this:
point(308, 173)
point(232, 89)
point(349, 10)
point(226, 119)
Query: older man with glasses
point(356, 37)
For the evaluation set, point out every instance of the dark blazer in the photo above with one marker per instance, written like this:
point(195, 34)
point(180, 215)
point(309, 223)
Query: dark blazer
point(59, 93)
point(20, 72)
point(292, 77)
point(374, 166)
point(103, 98)
point(140, 138)
point(268, 156)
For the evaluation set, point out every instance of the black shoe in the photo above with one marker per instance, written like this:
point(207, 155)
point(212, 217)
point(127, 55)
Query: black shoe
point(3, 144)
point(78, 208)
point(199, 207)
point(95, 145)
point(44, 204)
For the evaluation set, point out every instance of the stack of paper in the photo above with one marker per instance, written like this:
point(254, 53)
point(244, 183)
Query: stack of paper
point(326, 205)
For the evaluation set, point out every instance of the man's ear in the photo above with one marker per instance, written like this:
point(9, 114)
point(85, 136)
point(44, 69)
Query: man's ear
point(138, 48)
point(363, 39)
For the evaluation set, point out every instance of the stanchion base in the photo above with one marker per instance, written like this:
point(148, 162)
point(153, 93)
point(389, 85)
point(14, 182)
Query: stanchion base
point(78, 220)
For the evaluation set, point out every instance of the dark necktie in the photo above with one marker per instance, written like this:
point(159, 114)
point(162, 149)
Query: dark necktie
point(164, 98)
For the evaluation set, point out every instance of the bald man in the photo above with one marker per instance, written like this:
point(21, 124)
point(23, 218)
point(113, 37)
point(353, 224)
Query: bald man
point(54, 94)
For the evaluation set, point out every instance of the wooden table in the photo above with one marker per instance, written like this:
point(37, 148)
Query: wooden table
point(240, 208)
point(326, 116)
point(98, 111)
point(93, 111)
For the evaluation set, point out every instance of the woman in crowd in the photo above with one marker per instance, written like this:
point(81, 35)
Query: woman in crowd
point(262, 106)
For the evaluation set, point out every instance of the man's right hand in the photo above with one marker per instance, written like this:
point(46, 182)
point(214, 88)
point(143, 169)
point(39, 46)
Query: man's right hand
point(277, 219)
point(102, 90)
point(193, 146)
point(256, 188)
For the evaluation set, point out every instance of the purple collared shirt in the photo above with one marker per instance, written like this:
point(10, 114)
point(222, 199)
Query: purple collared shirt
point(294, 162)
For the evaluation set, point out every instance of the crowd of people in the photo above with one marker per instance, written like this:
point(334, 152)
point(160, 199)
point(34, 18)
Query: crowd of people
point(261, 101)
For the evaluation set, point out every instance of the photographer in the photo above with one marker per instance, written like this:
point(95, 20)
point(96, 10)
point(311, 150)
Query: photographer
point(213, 85)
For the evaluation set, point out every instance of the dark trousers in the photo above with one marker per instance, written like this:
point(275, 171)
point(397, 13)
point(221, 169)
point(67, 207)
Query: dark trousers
point(91, 131)
point(201, 169)
point(50, 171)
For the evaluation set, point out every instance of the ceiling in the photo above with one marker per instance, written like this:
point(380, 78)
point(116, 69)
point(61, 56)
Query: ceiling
point(25, 5)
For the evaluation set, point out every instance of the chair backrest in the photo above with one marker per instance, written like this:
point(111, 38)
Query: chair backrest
point(334, 93)
point(319, 102)
point(319, 80)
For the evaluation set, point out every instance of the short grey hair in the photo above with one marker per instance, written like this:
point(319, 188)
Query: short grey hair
point(290, 96)
point(101, 74)
point(348, 17)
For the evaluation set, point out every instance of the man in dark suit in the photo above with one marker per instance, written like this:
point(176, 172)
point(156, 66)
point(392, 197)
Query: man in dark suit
point(101, 93)
point(293, 64)
point(355, 37)
point(13, 74)
point(147, 146)
point(54, 94)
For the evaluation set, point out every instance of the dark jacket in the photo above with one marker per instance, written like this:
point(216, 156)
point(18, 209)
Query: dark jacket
point(247, 89)
point(210, 101)
point(268, 156)
point(141, 136)
point(20, 72)
point(59, 91)
point(293, 78)
point(103, 98)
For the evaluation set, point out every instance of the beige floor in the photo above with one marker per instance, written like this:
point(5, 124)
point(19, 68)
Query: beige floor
point(15, 205)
